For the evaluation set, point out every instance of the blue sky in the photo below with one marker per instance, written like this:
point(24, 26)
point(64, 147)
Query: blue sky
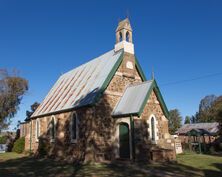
point(180, 39)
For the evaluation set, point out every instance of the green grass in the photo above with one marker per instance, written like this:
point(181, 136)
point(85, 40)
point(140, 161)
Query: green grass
point(10, 155)
point(13, 165)
point(200, 161)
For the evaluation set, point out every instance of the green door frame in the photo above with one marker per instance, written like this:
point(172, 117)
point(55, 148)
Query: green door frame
point(132, 137)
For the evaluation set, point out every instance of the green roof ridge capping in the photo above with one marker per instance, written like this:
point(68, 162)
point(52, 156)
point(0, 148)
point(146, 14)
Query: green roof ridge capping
point(162, 102)
point(154, 87)
point(112, 73)
point(109, 78)
point(138, 66)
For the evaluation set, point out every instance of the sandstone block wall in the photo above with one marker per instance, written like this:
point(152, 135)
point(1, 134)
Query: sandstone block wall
point(104, 124)
point(97, 128)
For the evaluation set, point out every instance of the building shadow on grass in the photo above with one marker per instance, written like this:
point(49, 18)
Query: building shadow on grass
point(212, 173)
point(36, 167)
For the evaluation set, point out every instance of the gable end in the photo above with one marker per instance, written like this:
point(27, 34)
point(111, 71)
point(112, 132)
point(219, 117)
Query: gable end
point(154, 87)
point(140, 71)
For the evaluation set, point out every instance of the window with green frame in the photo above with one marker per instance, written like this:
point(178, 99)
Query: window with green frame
point(153, 129)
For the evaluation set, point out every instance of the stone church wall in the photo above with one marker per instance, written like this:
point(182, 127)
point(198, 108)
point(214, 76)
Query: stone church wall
point(96, 125)
point(143, 143)
point(97, 128)
point(104, 124)
point(62, 147)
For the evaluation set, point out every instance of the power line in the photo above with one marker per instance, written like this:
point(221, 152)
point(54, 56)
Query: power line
point(192, 79)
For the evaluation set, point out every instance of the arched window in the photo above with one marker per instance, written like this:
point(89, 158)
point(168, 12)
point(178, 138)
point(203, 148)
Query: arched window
point(153, 136)
point(127, 36)
point(37, 129)
point(120, 37)
point(25, 129)
point(74, 128)
point(52, 128)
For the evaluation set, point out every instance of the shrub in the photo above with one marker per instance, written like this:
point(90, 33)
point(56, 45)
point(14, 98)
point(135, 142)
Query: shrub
point(3, 140)
point(19, 145)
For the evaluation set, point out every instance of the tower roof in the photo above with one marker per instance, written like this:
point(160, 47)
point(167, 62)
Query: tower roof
point(124, 24)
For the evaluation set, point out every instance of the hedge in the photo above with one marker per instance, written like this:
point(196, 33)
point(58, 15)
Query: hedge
point(19, 145)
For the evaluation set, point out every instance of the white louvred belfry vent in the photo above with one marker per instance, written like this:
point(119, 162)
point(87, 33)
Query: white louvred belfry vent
point(124, 38)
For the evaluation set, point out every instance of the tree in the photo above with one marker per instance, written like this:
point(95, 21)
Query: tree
point(204, 114)
point(34, 106)
point(12, 90)
point(216, 110)
point(206, 102)
point(210, 110)
point(187, 120)
point(193, 119)
point(17, 125)
point(175, 120)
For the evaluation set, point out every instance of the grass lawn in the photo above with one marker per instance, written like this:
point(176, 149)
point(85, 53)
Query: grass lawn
point(13, 165)
point(203, 162)
point(10, 155)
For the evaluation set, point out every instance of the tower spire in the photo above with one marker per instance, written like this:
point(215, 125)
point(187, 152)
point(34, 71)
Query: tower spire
point(124, 38)
point(153, 75)
point(127, 14)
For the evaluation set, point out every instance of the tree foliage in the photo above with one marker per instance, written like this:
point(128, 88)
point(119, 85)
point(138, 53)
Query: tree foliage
point(193, 119)
point(216, 110)
point(19, 145)
point(3, 139)
point(187, 120)
point(34, 106)
point(12, 89)
point(204, 114)
point(175, 120)
point(210, 109)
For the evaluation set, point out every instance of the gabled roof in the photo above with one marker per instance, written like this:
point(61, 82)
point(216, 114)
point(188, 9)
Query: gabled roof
point(211, 128)
point(135, 98)
point(83, 85)
point(198, 132)
point(80, 86)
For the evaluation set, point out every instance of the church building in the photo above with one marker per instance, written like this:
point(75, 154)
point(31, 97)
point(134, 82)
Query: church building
point(103, 110)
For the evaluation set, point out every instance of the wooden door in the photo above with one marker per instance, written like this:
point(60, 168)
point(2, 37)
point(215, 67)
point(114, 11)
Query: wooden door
point(124, 151)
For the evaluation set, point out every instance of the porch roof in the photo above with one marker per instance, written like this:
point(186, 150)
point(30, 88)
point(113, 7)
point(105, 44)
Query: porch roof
point(132, 99)
point(135, 98)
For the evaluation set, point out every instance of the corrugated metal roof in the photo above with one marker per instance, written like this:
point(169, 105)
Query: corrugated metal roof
point(80, 86)
point(212, 128)
point(133, 99)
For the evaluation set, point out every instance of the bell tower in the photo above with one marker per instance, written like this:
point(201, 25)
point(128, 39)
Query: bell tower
point(124, 38)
